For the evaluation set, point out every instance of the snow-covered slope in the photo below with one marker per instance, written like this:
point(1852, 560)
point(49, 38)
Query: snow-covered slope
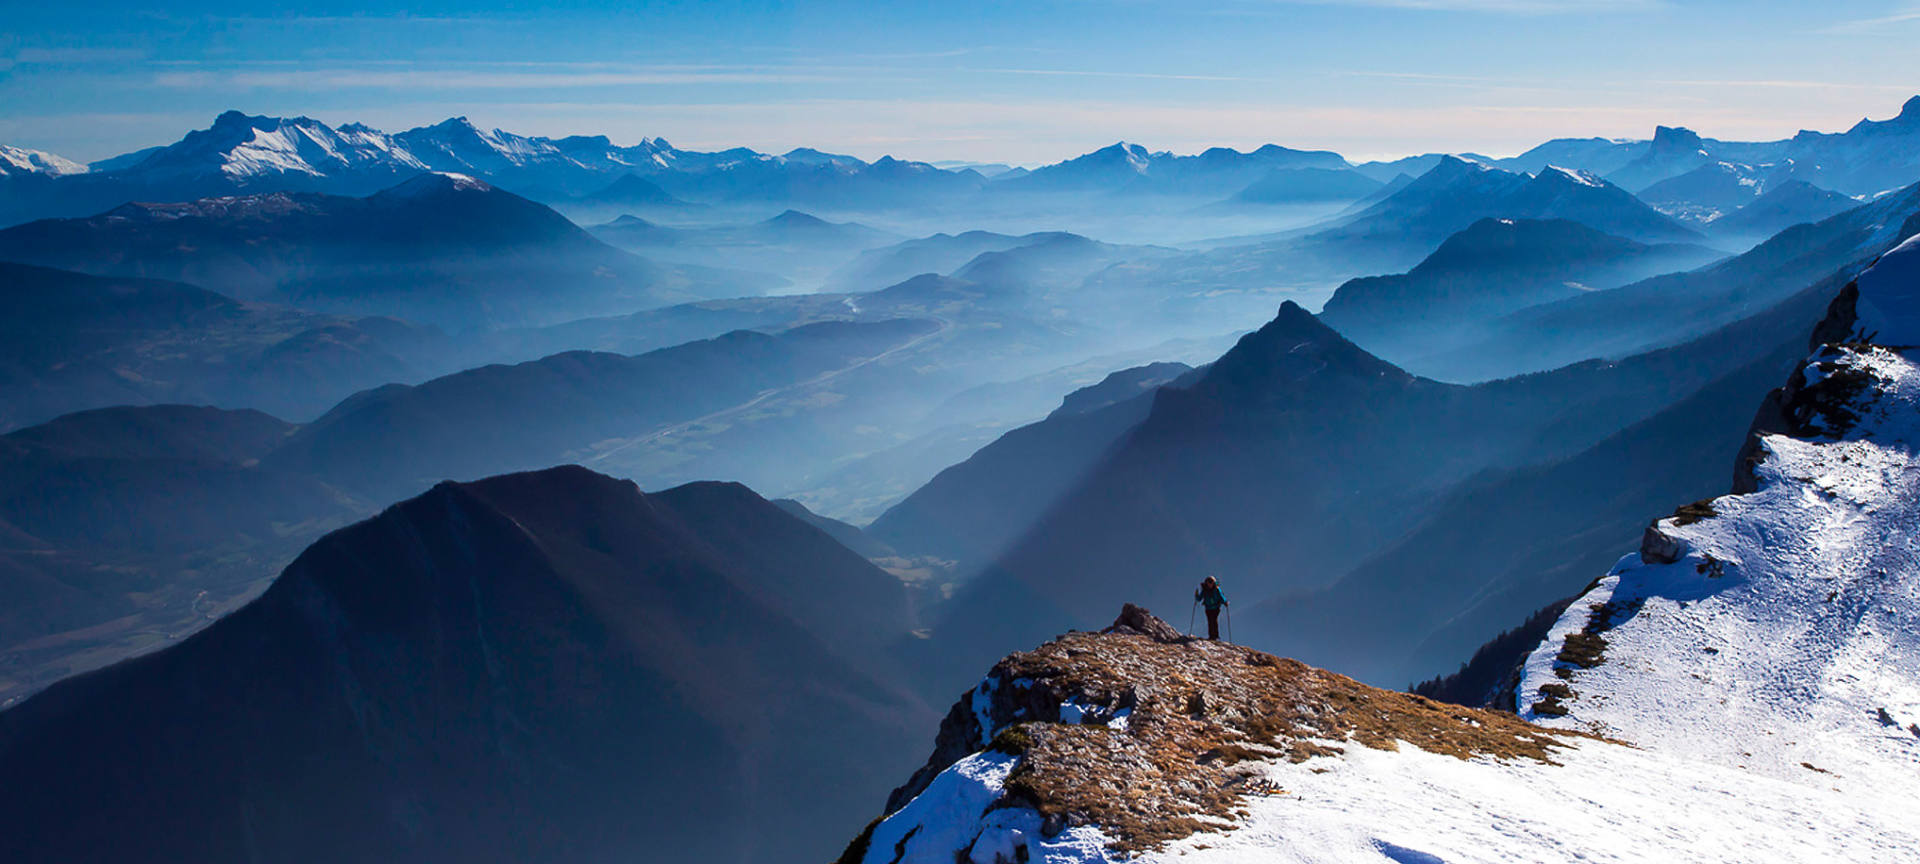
point(1778, 631)
point(1139, 744)
point(19, 160)
point(244, 149)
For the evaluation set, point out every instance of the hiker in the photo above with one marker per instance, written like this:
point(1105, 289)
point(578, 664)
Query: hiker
point(1208, 595)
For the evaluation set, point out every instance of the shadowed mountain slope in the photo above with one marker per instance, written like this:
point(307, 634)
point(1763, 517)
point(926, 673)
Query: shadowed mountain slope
point(70, 341)
point(538, 667)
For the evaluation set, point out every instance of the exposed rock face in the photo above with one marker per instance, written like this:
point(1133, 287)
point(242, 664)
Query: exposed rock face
point(1659, 547)
point(1799, 408)
point(1137, 736)
point(1137, 621)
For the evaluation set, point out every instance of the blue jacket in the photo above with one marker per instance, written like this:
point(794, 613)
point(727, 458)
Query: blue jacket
point(1210, 597)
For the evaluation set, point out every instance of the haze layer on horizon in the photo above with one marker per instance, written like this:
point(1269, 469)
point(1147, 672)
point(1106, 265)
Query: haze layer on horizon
point(1023, 82)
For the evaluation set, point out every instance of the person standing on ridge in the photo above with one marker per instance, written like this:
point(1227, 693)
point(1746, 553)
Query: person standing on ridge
point(1208, 595)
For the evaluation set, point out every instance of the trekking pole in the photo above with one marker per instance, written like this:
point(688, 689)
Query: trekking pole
point(1196, 605)
point(1229, 623)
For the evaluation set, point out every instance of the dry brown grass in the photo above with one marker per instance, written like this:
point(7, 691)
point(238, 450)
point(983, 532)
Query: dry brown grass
point(1204, 716)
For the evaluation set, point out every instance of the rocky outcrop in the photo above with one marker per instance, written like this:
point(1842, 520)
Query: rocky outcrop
point(1138, 736)
point(1792, 409)
point(1137, 621)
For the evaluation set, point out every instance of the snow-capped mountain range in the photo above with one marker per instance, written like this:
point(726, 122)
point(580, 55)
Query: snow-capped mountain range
point(250, 149)
point(247, 153)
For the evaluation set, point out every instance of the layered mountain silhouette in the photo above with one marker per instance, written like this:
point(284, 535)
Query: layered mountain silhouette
point(972, 511)
point(122, 528)
point(1456, 193)
point(1491, 268)
point(632, 190)
point(1131, 168)
point(1284, 466)
point(1601, 156)
point(1782, 206)
point(939, 253)
point(1293, 185)
point(394, 440)
point(1665, 310)
point(438, 249)
point(801, 247)
point(1406, 222)
point(539, 667)
point(74, 341)
point(1513, 541)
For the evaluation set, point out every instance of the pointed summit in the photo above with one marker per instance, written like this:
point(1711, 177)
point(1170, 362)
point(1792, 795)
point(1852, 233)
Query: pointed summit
point(796, 219)
point(1292, 348)
point(1554, 175)
point(456, 124)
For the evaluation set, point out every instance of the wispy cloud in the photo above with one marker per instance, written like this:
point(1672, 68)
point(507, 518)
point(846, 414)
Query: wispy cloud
point(1508, 7)
point(1085, 73)
point(67, 57)
point(1883, 25)
point(1789, 85)
point(491, 77)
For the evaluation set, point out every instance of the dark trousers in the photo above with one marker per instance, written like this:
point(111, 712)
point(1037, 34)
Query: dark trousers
point(1213, 623)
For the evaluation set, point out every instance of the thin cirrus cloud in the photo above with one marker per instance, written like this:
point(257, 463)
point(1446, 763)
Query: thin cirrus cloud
point(1881, 25)
point(1514, 7)
point(479, 79)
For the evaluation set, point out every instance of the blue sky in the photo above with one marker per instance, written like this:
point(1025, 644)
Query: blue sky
point(1030, 81)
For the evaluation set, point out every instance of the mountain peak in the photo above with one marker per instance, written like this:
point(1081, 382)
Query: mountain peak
point(796, 219)
point(1909, 112)
point(1676, 138)
point(1295, 346)
point(1451, 168)
point(20, 159)
point(234, 119)
point(1556, 175)
point(436, 183)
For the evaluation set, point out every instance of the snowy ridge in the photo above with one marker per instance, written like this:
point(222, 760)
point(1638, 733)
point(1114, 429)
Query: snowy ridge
point(19, 160)
point(246, 149)
point(1778, 632)
point(1583, 178)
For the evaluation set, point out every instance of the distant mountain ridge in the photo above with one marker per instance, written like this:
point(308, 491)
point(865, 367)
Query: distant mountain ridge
point(240, 153)
point(71, 341)
point(438, 248)
point(19, 160)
